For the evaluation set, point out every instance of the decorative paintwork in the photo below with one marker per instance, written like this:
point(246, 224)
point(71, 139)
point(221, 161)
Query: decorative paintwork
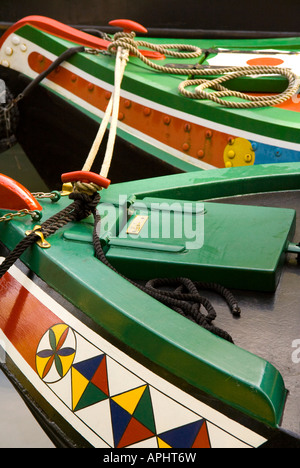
point(239, 152)
point(55, 353)
point(264, 59)
point(152, 115)
point(80, 370)
point(109, 398)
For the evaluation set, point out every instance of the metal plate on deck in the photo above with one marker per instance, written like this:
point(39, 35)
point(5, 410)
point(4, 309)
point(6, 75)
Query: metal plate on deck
point(137, 224)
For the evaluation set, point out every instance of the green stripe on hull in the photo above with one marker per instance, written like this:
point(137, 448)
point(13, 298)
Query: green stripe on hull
point(276, 123)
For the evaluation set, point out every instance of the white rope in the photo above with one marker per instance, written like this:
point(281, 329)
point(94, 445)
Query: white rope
point(121, 61)
point(124, 43)
point(99, 137)
point(112, 111)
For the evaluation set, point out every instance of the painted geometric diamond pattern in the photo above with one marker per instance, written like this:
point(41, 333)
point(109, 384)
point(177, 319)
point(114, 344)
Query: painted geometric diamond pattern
point(122, 409)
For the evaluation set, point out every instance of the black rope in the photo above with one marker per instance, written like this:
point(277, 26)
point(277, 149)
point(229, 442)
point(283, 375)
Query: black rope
point(180, 294)
point(185, 299)
point(81, 208)
point(9, 113)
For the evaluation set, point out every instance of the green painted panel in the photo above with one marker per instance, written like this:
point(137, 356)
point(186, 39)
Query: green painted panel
point(216, 183)
point(240, 247)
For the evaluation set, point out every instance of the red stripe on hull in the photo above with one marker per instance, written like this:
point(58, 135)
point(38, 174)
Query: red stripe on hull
point(23, 319)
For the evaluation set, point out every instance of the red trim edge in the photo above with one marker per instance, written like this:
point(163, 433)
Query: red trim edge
point(57, 29)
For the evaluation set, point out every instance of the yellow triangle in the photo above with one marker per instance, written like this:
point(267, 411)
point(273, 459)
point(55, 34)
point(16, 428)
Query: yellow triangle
point(162, 444)
point(79, 384)
point(66, 362)
point(130, 399)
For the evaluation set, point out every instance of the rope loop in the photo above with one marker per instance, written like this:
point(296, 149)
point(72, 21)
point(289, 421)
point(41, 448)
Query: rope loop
point(237, 72)
point(84, 204)
point(186, 51)
point(183, 51)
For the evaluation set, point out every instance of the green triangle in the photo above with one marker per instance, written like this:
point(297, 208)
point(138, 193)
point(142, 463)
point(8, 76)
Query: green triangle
point(90, 396)
point(144, 411)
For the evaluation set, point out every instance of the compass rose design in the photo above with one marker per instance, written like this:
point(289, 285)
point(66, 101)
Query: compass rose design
point(55, 353)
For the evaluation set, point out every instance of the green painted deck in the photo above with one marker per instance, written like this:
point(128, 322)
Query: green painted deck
point(234, 375)
point(237, 375)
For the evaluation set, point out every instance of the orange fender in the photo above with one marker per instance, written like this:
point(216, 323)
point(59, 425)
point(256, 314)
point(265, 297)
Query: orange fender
point(13, 196)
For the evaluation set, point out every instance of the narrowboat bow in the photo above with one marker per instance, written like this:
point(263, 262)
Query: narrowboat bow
point(104, 359)
point(169, 131)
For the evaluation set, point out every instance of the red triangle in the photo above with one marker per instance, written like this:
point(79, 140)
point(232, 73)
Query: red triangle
point(135, 432)
point(202, 439)
point(100, 377)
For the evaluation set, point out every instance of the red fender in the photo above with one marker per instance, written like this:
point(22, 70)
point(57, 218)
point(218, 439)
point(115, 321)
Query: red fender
point(85, 176)
point(128, 25)
point(71, 34)
point(57, 29)
point(13, 196)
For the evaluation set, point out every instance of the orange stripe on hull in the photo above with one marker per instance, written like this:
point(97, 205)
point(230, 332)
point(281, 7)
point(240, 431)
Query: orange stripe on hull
point(292, 104)
point(191, 139)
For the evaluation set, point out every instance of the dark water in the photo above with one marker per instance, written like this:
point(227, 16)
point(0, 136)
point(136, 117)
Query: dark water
point(18, 428)
point(14, 163)
point(269, 325)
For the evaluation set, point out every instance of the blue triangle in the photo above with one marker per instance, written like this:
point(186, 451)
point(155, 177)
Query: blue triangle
point(88, 367)
point(182, 437)
point(120, 419)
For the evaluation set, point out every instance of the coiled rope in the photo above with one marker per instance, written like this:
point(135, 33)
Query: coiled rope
point(179, 294)
point(126, 41)
point(237, 72)
point(182, 295)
